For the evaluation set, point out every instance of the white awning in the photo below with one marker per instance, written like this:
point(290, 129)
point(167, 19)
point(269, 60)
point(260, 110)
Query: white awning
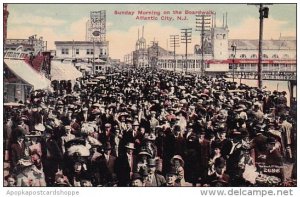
point(64, 71)
point(24, 71)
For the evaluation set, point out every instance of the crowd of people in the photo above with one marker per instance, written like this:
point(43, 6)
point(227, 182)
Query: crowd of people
point(148, 127)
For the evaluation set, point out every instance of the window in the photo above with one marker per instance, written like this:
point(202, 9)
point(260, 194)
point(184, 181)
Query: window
point(65, 51)
point(275, 56)
point(242, 66)
point(219, 36)
point(89, 51)
point(77, 52)
point(243, 56)
point(253, 56)
point(265, 56)
point(265, 67)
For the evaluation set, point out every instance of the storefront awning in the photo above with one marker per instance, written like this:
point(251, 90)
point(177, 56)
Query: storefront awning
point(25, 72)
point(64, 71)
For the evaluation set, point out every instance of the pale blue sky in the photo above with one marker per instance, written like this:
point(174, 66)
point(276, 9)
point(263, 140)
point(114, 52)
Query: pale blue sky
point(62, 21)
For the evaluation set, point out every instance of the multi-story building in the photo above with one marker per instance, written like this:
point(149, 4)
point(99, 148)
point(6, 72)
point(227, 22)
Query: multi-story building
point(81, 50)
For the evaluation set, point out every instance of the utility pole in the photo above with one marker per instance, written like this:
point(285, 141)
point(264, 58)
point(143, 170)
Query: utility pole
point(148, 56)
point(93, 55)
point(204, 23)
point(263, 13)
point(186, 38)
point(174, 42)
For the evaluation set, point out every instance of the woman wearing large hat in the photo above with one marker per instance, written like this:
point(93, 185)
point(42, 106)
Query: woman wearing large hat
point(29, 174)
point(178, 164)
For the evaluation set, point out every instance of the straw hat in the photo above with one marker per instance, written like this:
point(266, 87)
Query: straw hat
point(39, 127)
point(178, 157)
point(130, 146)
point(25, 162)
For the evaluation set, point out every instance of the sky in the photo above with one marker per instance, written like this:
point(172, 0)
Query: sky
point(66, 22)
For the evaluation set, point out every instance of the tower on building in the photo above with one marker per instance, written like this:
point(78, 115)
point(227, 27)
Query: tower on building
point(141, 42)
point(220, 41)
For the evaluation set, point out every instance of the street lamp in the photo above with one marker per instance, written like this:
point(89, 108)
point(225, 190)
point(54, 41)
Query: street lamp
point(233, 48)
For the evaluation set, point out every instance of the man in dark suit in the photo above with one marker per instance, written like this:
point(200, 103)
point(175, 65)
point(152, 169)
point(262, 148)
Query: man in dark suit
point(17, 150)
point(106, 166)
point(125, 165)
point(273, 156)
point(219, 178)
point(259, 143)
point(154, 179)
point(51, 157)
point(226, 144)
point(203, 154)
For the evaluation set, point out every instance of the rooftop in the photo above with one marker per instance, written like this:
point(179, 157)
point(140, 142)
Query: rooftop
point(283, 44)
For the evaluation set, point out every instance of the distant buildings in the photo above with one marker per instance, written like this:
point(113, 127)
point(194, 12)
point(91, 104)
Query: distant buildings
point(278, 55)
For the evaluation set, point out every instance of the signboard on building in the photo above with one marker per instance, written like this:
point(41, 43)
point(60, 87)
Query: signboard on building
point(96, 26)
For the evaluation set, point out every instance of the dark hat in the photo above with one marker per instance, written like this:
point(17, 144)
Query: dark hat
point(244, 132)
point(222, 131)
point(220, 162)
point(217, 145)
point(144, 172)
point(271, 140)
point(172, 172)
point(151, 162)
point(144, 152)
point(136, 176)
point(34, 134)
point(135, 123)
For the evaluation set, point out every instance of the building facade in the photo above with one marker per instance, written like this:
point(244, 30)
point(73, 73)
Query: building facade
point(96, 53)
point(278, 56)
point(81, 50)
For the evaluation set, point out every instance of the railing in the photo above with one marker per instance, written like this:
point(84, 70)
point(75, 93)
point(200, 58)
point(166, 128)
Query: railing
point(280, 76)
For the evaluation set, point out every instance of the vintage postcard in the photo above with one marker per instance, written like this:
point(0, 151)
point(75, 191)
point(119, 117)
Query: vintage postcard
point(150, 95)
